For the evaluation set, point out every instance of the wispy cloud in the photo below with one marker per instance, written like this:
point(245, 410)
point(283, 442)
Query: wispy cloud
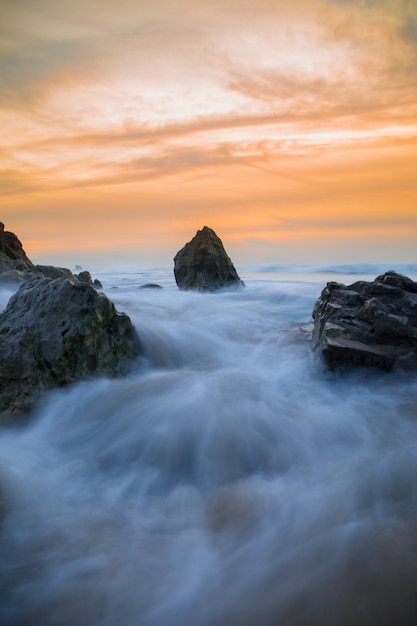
point(309, 105)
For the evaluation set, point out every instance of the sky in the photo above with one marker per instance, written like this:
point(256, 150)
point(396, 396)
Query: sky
point(287, 126)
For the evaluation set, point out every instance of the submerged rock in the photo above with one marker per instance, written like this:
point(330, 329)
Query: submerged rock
point(203, 265)
point(56, 331)
point(150, 286)
point(368, 323)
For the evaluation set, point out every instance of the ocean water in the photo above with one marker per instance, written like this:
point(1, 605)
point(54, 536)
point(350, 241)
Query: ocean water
point(230, 479)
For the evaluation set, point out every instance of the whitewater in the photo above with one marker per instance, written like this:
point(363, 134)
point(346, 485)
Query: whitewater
point(229, 479)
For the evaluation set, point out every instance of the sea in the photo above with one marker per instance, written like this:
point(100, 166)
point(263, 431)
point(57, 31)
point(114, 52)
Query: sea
point(230, 479)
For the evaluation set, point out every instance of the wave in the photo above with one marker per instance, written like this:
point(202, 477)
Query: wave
point(345, 268)
point(228, 479)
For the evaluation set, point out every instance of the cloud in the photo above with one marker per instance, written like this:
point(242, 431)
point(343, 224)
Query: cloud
point(239, 110)
point(135, 62)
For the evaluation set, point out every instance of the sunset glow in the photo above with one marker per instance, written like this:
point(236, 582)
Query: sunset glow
point(289, 128)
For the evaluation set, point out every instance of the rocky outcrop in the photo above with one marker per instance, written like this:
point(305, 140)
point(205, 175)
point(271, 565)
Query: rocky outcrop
point(203, 265)
point(85, 277)
point(11, 275)
point(49, 271)
point(368, 323)
point(56, 331)
point(15, 267)
point(12, 255)
point(7, 264)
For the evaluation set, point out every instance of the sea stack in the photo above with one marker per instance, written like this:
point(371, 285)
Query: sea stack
point(203, 265)
point(368, 323)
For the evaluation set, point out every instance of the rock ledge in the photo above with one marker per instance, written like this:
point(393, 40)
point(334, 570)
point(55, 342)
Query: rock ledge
point(368, 323)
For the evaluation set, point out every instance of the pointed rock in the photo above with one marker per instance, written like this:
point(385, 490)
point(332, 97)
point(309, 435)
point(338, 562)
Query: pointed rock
point(203, 265)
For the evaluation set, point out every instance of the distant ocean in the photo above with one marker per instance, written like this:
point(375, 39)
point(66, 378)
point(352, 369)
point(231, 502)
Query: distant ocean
point(230, 479)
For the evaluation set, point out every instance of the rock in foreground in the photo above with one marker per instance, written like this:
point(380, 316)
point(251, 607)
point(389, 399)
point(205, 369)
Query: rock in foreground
point(56, 331)
point(203, 265)
point(368, 323)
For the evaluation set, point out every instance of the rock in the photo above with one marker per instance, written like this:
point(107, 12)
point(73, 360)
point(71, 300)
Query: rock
point(12, 276)
point(85, 277)
point(150, 286)
point(203, 265)
point(11, 248)
point(16, 267)
point(368, 323)
point(6, 263)
point(50, 271)
point(57, 331)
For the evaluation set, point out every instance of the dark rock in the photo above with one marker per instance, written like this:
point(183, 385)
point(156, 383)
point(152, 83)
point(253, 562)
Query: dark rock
point(50, 271)
point(11, 248)
point(150, 286)
point(368, 323)
point(15, 267)
point(203, 265)
point(12, 276)
point(85, 277)
point(6, 263)
point(54, 332)
point(12, 270)
point(397, 280)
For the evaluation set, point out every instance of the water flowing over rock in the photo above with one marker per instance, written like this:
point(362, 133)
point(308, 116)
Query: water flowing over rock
point(368, 323)
point(56, 331)
point(203, 265)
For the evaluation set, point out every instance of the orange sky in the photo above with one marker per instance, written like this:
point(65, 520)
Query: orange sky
point(290, 127)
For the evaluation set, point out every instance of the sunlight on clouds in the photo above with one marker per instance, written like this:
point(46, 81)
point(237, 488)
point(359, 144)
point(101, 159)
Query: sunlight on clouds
point(277, 120)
